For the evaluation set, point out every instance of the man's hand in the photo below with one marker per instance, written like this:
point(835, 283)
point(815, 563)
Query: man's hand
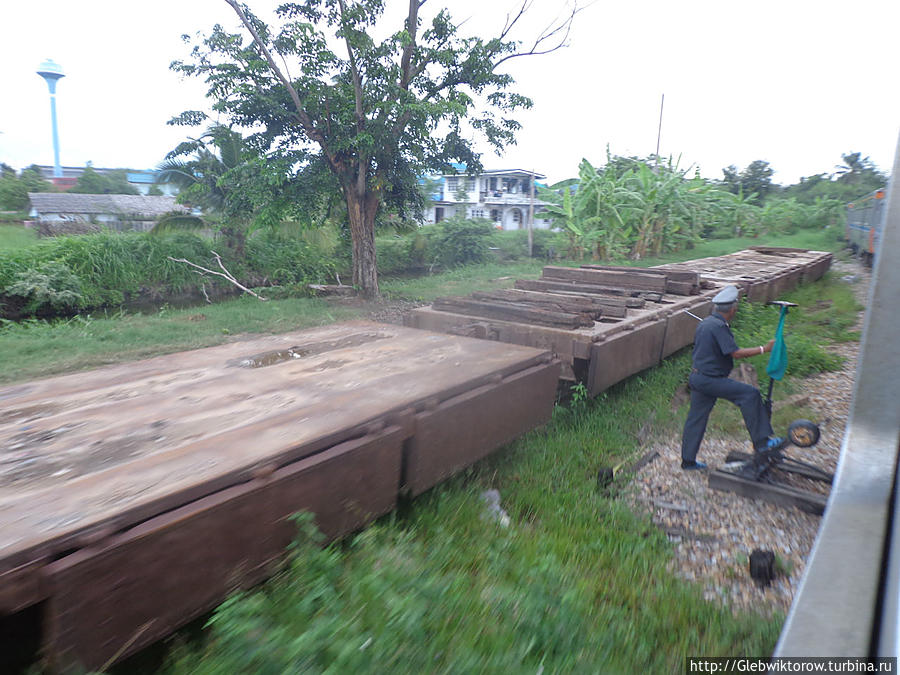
point(753, 351)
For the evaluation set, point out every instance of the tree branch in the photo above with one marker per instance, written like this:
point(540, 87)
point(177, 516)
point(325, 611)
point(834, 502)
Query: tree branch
point(362, 169)
point(547, 34)
point(302, 116)
point(412, 27)
point(227, 275)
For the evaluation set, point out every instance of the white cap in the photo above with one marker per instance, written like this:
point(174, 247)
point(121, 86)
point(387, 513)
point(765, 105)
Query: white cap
point(726, 296)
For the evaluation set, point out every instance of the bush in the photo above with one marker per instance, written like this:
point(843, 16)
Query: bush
point(107, 269)
point(50, 287)
point(513, 244)
point(457, 241)
point(398, 254)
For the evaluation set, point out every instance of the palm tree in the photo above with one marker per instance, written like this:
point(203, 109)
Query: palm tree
point(853, 167)
point(200, 167)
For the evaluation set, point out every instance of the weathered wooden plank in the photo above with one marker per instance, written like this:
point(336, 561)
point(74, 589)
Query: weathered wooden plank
point(108, 600)
point(626, 279)
point(575, 304)
point(681, 326)
point(112, 447)
point(554, 285)
point(679, 282)
point(624, 268)
point(777, 249)
point(510, 311)
point(625, 354)
point(783, 495)
point(564, 343)
point(675, 274)
point(612, 306)
point(682, 287)
point(495, 414)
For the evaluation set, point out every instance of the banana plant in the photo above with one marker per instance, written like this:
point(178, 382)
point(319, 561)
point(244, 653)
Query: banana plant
point(561, 207)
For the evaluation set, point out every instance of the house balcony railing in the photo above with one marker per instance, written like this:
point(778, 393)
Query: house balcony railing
point(498, 197)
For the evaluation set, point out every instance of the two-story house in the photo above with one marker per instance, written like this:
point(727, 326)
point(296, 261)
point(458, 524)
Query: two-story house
point(500, 196)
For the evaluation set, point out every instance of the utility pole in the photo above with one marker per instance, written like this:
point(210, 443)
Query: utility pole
point(659, 132)
point(531, 217)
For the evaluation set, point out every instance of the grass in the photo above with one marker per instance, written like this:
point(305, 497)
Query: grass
point(577, 583)
point(15, 237)
point(460, 281)
point(39, 348)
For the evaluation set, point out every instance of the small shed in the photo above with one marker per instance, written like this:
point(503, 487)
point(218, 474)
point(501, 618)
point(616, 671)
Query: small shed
point(67, 213)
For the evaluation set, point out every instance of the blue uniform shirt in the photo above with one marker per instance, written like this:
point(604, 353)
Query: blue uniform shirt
point(713, 346)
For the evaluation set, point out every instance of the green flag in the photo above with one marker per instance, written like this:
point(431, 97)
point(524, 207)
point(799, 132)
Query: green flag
point(778, 360)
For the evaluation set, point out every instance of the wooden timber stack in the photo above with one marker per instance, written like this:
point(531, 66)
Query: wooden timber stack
point(608, 322)
point(762, 272)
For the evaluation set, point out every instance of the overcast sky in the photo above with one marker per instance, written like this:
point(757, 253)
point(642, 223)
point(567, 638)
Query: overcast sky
point(792, 82)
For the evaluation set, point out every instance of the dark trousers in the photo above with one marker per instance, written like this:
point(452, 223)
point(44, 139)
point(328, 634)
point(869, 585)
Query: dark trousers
point(704, 392)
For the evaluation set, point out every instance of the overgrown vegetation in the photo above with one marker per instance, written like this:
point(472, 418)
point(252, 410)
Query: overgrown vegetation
point(636, 209)
point(68, 274)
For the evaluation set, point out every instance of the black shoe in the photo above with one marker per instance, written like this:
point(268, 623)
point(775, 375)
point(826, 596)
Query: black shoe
point(693, 466)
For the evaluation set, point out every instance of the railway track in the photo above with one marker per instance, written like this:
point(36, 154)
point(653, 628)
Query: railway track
point(136, 497)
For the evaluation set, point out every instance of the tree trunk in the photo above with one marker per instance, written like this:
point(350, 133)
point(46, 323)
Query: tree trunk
point(361, 212)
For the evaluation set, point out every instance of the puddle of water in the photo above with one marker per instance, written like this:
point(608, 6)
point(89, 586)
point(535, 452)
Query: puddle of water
point(298, 352)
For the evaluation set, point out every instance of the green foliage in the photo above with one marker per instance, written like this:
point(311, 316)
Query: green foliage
point(113, 268)
point(513, 244)
point(826, 313)
point(14, 189)
point(853, 179)
point(406, 253)
point(49, 287)
point(273, 258)
point(368, 114)
point(755, 181)
point(458, 241)
point(111, 182)
point(635, 209)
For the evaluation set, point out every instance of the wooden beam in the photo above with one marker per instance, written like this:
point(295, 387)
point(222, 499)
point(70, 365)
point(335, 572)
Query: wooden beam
point(811, 502)
point(511, 312)
point(613, 306)
point(628, 279)
point(682, 287)
point(576, 304)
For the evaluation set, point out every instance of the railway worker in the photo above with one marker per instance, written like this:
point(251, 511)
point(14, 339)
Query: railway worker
point(713, 358)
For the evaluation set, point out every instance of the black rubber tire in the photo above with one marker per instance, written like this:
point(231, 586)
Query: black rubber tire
point(803, 433)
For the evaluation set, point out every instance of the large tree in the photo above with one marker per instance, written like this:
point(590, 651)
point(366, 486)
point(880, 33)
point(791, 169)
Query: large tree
point(319, 89)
